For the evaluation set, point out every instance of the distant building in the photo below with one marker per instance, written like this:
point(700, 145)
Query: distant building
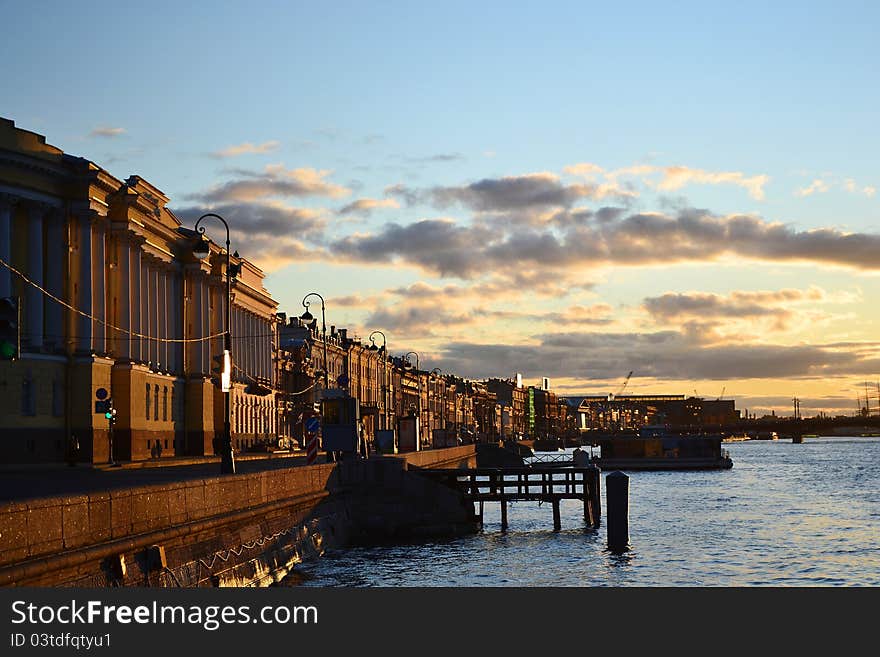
point(607, 413)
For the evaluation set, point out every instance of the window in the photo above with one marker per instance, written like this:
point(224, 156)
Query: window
point(156, 402)
point(165, 405)
point(147, 402)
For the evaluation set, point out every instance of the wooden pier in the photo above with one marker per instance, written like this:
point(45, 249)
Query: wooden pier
point(539, 483)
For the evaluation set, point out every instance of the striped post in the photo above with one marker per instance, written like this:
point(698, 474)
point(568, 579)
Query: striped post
point(312, 425)
point(311, 448)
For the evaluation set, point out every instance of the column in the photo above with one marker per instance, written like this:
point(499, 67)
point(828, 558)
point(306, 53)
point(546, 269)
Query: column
point(155, 310)
point(162, 316)
point(237, 343)
point(84, 284)
point(252, 346)
point(6, 204)
point(206, 326)
point(140, 285)
point(197, 321)
point(176, 331)
point(99, 281)
point(33, 297)
point(151, 313)
point(136, 299)
point(261, 350)
point(122, 346)
point(55, 260)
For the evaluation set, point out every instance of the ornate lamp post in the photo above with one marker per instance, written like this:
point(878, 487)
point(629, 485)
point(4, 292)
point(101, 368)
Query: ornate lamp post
point(201, 251)
point(307, 317)
point(382, 353)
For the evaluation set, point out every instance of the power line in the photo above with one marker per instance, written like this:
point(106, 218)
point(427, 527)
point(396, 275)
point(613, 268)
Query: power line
point(98, 319)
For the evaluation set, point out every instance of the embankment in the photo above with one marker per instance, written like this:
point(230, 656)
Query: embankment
point(233, 530)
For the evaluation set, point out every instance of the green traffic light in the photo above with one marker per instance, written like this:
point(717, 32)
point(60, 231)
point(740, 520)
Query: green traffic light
point(108, 415)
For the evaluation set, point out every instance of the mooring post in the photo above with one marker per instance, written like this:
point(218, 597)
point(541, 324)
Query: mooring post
point(503, 514)
point(557, 523)
point(596, 494)
point(617, 492)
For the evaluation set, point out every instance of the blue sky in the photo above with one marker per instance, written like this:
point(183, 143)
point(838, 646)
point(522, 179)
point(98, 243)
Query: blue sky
point(476, 125)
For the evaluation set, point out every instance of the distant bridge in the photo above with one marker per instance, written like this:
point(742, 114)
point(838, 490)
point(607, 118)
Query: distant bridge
point(792, 426)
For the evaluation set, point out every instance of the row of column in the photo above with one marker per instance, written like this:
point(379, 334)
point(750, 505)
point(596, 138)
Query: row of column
point(147, 297)
point(44, 259)
point(252, 344)
point(254, 416)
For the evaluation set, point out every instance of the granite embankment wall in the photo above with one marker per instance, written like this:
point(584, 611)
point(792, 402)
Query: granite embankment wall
point(234, 530)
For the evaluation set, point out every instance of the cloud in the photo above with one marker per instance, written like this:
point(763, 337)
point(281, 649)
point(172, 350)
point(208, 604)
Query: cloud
point(677, 177)
point(438, 157)
point(246, 148)
point(108, 132)
point(447, 248)
point(670, 178)
point(273, 181)
point(818, 186)
point(416, 320)
point(662, 355)
point(736, 305)
point(529, 191)
point(435, 244)
point(271, 235)
point(851, 186)
point(365, 206)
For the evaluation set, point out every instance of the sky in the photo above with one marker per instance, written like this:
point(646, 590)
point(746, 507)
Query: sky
point(576, 190)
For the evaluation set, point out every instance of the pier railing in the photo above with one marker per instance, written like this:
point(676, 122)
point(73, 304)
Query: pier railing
point(544, 483)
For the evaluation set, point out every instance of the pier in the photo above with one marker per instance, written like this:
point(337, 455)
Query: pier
point(541, 483)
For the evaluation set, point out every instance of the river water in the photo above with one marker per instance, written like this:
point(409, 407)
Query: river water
point(785, 515)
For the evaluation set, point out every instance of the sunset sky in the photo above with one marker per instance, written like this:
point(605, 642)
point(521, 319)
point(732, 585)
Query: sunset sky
point(575, 190)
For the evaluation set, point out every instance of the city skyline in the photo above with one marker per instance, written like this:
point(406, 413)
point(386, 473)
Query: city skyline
point(488, 193)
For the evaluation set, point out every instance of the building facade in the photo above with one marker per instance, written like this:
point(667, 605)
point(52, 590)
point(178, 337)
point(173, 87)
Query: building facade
point(112, 297)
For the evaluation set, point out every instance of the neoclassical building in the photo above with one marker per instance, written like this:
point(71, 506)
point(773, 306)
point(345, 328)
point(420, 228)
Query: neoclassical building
point(112, 297)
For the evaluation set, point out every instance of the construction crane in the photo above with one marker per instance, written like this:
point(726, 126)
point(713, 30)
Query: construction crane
point(721, 396)
point(621, 389)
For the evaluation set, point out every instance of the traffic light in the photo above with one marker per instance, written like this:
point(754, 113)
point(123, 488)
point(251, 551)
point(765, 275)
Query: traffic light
point(223, 370)
point(110, 414)
point(9, 328)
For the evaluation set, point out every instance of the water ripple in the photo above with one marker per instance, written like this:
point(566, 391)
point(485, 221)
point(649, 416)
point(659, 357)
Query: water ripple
point(783, 516)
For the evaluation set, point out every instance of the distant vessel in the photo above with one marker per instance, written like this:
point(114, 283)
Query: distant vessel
point(767, 435)
point(656, 448)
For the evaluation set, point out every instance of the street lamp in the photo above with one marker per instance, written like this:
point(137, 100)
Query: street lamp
point(382, 351)
point(419, 378)
point(307, 317)
point(201, 251)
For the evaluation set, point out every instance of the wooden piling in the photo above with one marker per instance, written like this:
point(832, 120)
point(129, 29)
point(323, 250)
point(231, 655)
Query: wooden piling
point(617, 492)
point(503, 514)
point(595, 495)
point(557, 521)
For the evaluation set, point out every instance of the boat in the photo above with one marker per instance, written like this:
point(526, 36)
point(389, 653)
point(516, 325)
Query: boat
point(766, 435)
point(658, 448)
